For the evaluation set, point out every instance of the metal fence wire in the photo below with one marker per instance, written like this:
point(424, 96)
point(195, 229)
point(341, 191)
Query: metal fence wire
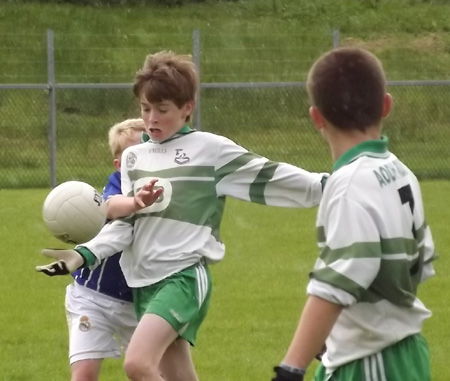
point(54, 132)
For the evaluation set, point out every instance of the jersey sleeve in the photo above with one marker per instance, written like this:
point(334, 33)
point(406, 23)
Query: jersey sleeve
point(350, 253)
point(429, 254)
point(328, 292)
point(250, 177)
point(113, 238)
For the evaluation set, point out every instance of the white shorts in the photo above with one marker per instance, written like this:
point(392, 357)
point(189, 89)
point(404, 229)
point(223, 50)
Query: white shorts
point(99, 326)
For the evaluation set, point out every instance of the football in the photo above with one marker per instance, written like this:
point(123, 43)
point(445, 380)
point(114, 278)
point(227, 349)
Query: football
point(74, 212)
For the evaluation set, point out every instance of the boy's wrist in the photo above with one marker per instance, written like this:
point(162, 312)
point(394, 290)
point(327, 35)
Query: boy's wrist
point(89, 258)
point(292, 369)
point(137, 204)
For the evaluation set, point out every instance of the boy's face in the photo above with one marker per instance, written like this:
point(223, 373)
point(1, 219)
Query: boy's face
point(165, 119)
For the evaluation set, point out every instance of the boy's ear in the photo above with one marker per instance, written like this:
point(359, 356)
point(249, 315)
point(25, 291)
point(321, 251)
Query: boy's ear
point(117, 164)
point(317, 118)
point(189, 108)
point(387, 104)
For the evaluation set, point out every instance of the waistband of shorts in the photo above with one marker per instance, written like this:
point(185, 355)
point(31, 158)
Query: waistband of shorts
point(115, 298)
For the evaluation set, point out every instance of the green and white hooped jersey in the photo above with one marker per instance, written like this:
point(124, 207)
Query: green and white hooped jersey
point(197, 171)
point(375, 249)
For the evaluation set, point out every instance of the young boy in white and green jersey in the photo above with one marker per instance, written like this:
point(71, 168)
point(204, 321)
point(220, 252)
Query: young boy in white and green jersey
point(375, 245)
point(176, 184)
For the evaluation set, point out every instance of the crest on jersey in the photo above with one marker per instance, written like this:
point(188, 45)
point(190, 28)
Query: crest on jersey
point(180, 157)
point(85, 324)
point(131, 160)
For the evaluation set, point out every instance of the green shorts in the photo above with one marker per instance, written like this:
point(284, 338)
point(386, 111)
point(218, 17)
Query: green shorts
point(408, 359)
point(182, 299)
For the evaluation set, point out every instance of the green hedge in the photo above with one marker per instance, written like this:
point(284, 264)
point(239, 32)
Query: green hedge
point(109, 3)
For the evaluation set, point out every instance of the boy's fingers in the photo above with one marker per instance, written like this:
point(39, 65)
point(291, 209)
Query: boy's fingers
point(150, 184)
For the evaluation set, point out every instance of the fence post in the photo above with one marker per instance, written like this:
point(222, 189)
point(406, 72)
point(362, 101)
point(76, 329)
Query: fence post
point(51, 106)
point(336, 38)
point(196, 57)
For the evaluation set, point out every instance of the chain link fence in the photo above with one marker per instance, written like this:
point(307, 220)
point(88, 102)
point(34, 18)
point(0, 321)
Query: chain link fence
point(54, 131)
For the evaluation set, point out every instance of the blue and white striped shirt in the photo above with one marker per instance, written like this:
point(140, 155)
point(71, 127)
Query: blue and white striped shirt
point(107, 278)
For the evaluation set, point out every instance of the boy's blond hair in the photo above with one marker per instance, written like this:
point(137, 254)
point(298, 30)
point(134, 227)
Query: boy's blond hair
point(167, 76)
point(121, 132)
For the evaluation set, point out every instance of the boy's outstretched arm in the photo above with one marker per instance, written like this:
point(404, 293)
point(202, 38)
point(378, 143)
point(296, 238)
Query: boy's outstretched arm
point(124, 206)
point(316, 322)
point(67, 261)
point(114, 237)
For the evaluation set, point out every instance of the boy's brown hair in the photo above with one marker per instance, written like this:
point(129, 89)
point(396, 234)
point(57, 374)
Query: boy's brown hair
point(166, 76)
point(348, 85)
point(120, 133)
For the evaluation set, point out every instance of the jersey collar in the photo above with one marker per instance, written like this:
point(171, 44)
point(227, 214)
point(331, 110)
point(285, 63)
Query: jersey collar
point(185, 130)
point(372, 148)
point(144, 137)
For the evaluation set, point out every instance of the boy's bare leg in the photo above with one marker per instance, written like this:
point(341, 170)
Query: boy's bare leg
point(86, 370)
point(176, 364)
point(150, 341)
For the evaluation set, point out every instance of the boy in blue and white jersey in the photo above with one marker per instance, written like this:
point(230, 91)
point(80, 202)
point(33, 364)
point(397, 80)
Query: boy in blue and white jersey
point(375, 245)
point(99, 304)
point(176, 185)
point(107, 278)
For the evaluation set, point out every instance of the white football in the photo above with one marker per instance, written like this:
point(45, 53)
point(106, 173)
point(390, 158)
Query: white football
point(74, 212)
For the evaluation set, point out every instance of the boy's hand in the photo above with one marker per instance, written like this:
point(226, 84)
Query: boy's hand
point(67, 262)
point(286, 375)
point(147, 196)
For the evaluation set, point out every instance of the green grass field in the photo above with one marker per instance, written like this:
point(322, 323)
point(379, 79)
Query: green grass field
point(259, 290)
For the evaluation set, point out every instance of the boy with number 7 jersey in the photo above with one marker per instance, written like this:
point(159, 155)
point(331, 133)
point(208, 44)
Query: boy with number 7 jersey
point(375, 244)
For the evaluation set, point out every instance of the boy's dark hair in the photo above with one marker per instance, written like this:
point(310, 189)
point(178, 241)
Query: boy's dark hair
point(348, 85)
point(166, 76)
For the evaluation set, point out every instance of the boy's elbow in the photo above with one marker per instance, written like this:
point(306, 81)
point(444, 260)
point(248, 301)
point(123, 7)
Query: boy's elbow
point(111, 209)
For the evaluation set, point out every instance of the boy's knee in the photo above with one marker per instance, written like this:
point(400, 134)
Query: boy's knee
point(138, 370)
point(131, 368)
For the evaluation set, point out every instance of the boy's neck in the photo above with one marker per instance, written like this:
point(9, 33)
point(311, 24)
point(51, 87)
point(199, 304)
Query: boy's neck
point(341, 141)
point(184, 130)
